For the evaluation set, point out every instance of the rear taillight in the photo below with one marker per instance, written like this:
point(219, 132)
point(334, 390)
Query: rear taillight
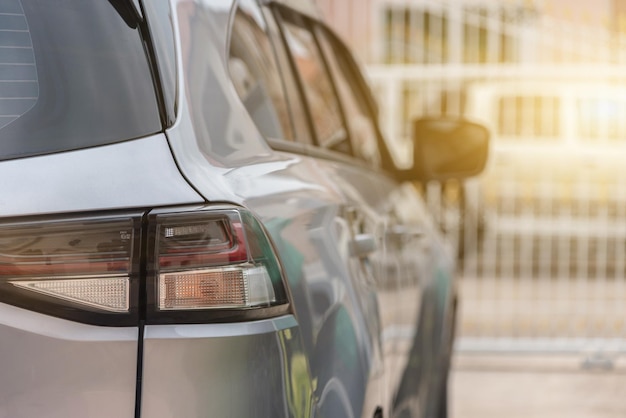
point(210, 265)
point(84, 269)
point(207, 264)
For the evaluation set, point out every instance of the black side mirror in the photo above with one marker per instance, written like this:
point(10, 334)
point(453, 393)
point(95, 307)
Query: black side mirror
point(448, 148)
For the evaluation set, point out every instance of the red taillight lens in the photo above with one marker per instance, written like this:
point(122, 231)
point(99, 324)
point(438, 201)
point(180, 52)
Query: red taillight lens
point(72, 265)
point(215, 259)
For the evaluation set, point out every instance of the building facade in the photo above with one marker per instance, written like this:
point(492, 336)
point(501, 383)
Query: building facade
point(479, 31)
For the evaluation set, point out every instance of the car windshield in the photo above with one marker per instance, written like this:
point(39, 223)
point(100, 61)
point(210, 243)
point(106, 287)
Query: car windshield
point(73, 74)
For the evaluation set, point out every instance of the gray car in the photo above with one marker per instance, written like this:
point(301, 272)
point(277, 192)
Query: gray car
point(199, 217)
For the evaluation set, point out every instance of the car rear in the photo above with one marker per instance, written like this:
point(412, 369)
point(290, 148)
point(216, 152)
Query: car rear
point(100, 235)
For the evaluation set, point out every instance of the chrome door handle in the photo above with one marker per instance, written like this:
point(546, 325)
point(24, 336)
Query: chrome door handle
point(362, 245)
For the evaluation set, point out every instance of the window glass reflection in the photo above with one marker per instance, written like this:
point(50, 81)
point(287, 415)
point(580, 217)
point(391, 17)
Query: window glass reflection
point(255, 73)
point(361, 126)
point(318, 89)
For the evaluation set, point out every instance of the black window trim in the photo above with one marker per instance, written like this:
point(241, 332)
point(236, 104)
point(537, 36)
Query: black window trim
point(315, 151)
point(167, 111)
point(283, 14)
point(272, 40)
point(387, 164)
point(387, 167)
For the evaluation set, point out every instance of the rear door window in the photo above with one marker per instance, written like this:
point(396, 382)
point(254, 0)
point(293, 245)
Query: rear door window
point(319, 92)
point(359, 120)
point(73, 74)
point(255, 74)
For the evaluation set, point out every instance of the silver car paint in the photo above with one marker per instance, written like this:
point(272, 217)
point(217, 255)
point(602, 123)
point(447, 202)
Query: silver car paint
point(304, 204)
point(226, 370)
point(278, 367)
point(138, 173)
point(57, 368)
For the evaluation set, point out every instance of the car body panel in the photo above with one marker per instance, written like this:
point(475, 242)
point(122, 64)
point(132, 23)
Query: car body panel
point(137, 173)
point(308, 206)
point(243, 369)
point(57, 368)
point(368, 277)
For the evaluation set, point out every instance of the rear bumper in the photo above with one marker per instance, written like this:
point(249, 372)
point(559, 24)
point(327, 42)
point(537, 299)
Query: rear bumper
point(238, 370)
point(57, 368)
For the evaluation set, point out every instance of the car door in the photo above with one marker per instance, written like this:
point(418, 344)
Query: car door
point(315, 358)
point(403, 273)
point(261, 126)
point(361, 227)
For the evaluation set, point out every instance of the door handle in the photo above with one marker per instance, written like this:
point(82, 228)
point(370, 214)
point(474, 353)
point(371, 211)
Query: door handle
point(362, 245)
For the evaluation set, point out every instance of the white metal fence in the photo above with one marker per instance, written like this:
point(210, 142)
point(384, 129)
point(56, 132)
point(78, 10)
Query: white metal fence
point(480, 31)
point(545, 237)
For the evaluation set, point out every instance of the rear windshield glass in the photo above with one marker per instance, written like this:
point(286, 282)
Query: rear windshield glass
point(73, 74)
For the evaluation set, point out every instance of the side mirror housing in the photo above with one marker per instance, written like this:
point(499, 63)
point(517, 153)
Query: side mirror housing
point(448, 148)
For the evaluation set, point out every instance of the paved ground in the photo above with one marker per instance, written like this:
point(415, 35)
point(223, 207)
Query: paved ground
point(501, 386)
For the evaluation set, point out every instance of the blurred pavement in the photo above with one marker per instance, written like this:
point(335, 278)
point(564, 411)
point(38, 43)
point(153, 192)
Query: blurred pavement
point(530, 386)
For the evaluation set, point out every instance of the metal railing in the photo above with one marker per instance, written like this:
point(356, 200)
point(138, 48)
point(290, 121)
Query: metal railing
point(545, 226)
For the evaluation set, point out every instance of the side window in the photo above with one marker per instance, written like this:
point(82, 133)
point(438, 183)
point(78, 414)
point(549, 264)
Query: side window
point(302, 131)
point(255, 75)
point(317, 86)
point(361, 125)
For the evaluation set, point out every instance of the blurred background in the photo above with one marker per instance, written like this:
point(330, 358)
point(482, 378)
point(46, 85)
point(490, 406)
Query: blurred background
point(541, 234)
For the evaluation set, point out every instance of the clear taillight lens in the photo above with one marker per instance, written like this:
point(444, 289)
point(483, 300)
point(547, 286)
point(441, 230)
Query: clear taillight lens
point(70, 266)
point(105, 293)
point(215, 259)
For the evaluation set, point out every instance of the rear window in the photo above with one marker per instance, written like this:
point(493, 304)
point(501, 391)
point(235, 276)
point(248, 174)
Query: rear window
point(73, 74)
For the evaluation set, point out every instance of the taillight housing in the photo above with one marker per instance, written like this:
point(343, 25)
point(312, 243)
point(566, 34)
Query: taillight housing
point(83, 268)
point(176, 265)
point(212, 264)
